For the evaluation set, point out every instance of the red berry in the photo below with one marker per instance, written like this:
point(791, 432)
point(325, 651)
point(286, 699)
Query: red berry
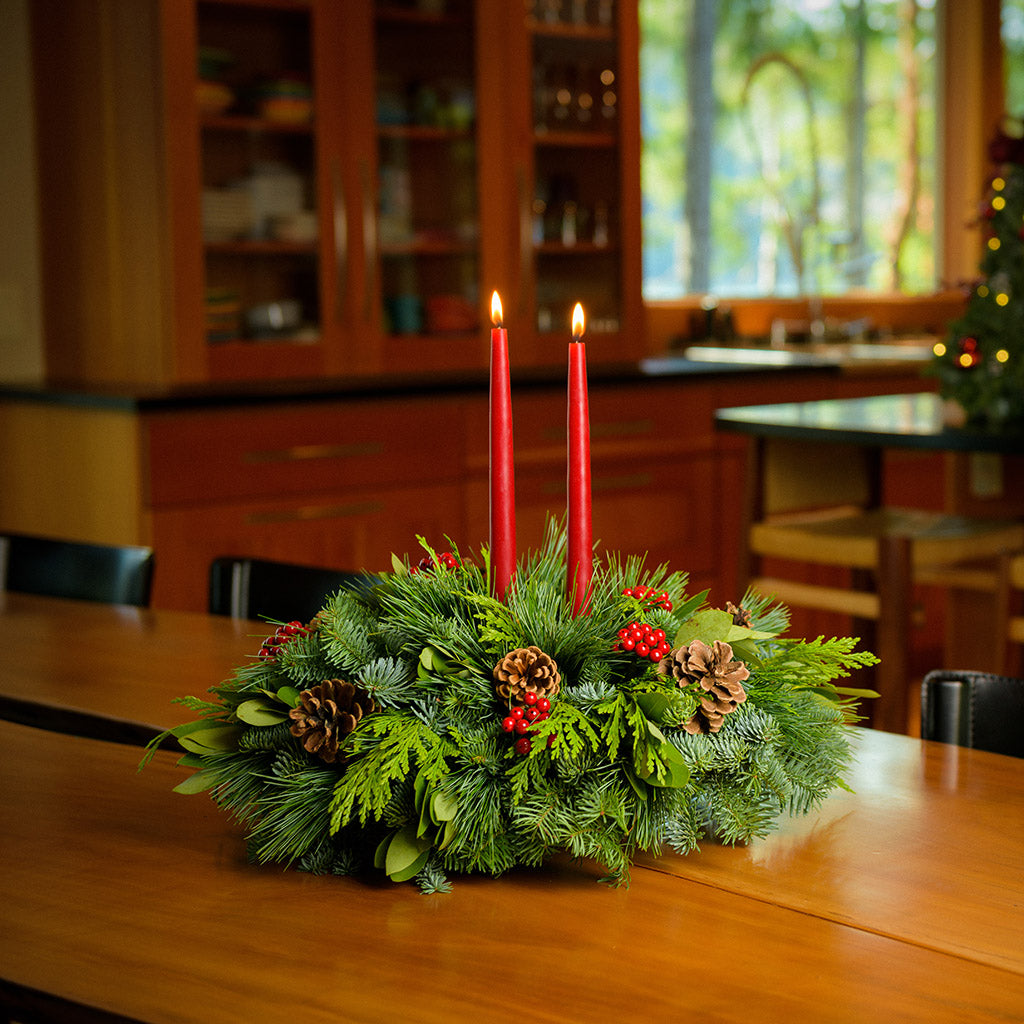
point(529, 697)
point(516, 712)
point(523, 745)
point(532, 714)
point(655, 654)
point(667, 605)
point(508, 724)
point(551, 739)
point(543, 705)
point(522, 726)
point(629, 644)
point(642, 650)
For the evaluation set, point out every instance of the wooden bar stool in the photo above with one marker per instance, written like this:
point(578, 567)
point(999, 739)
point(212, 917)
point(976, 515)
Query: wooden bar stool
point(809, 506)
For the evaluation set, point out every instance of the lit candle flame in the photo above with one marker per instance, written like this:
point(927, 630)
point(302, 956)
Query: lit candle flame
point(577, 322)
point(495, 309)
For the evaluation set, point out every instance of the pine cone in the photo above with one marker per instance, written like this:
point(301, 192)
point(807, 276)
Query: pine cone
point(715, 671)
point(526, 670)
point(327, 713)
point(740, 615)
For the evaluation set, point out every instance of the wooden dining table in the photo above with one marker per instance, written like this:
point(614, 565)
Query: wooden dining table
point(120, 900)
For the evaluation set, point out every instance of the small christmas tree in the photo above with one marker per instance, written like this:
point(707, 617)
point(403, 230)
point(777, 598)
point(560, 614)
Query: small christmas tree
point(981, 367)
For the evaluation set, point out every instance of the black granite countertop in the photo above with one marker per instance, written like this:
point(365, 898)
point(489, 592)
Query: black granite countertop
point(889, 421)
point(148, 398)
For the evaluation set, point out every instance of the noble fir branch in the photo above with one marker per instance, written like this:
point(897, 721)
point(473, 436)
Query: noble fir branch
point(383, 751)
point(346, 630)
point(389, 681)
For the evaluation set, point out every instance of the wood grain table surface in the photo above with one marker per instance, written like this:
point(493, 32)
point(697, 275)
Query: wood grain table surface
point(904, 896)
point(117, 894)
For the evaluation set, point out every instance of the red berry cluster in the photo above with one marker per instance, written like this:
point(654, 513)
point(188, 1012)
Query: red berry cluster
point(520, 719)
point(283, 635)
point(427, 564)
point(644, 640)
point(649, 597)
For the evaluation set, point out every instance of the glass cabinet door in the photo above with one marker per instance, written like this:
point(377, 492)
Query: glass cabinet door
point(256, 99)
point(427, 218)
point(581, 215)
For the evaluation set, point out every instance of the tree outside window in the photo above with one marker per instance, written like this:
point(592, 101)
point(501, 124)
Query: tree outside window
point(789, 146)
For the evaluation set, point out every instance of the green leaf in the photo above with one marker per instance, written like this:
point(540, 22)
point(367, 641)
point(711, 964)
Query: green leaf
point(407, 853)
point(654, 704)
point(685, 610)
point(380, 854)
point(707, 626)
point(198, 782)
point(213, 738)
point(677, 773)
point(638, 787)
point(443, 808)
point(288, 695)
point(192, 761)
point(258, 712)
point(398, 566)
point(426, 824)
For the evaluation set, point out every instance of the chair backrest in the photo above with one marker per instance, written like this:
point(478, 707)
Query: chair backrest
point(974, 709)
point(251, 588)
point(107, 573)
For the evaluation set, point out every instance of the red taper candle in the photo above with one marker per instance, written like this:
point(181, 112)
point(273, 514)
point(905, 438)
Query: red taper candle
point(502, 472)
point(579, 531)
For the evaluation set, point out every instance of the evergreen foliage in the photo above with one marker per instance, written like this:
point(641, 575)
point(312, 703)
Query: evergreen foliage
point(981, 366)
point(429, 782)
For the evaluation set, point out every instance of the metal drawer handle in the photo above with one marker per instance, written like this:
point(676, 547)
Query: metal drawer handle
point(313, 512)
point(303, 452)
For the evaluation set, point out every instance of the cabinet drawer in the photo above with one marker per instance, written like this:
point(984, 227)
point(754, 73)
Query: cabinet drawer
point(352, 531)
point(300, 449)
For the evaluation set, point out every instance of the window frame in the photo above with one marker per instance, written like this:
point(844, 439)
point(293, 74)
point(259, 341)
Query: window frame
point(970, 83)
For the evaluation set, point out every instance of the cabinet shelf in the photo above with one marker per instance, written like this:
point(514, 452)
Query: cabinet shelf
point(575, 140)
point(253, 125)
point(427, 248)
point(580, 249)
point(261, 248)
point(569, 30)
point(385, 13)
point(423, 133)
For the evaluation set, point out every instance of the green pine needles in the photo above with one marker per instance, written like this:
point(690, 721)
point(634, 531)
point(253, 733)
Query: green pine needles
point(421, 727)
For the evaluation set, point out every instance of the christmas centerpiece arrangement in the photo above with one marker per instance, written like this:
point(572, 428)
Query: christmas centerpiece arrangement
point(475, 712)
point(981, 368)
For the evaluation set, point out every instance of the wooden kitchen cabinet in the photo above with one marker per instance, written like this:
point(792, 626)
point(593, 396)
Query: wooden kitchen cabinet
point(339, 484)
point(246, 189)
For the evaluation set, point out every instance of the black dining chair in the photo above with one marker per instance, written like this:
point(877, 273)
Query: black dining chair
point(251, 588)
point(109, 573)
point(974, 709)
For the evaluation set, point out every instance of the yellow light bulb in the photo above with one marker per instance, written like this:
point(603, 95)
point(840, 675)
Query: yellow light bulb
point(983, 290)
point(939, 348)
point(1002, 299)
point(998, 184)
point(1002, 355)
point(998, 203)
point(966, 360)
point(994, 243)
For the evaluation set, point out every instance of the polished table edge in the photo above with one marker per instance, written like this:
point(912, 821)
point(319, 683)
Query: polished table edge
point(31, 1006)
point(86, 724)
point(899, 421)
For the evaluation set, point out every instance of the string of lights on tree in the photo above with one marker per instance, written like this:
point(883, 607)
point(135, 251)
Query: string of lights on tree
point(981, 365)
